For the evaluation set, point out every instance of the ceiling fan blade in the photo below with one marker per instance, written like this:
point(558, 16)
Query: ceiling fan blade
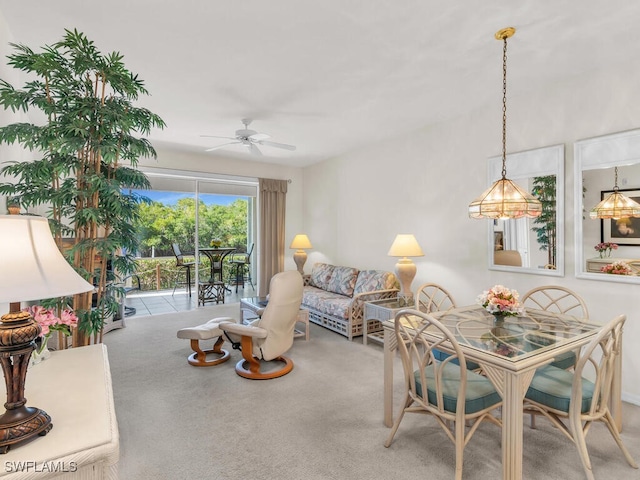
point(277, 145)
point(220, 146)
point(218, 136)
point(258, 137)
point(254, 150)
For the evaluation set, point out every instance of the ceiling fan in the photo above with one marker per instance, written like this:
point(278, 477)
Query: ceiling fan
point(250, 139)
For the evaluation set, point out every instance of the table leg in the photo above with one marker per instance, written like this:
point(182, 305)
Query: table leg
point(390, 345)
point(512, 387)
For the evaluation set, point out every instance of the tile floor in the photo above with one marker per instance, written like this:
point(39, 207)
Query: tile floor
point(165, 301)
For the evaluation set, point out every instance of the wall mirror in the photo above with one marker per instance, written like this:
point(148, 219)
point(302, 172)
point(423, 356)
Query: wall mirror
point(595, 165)
point(526, 245)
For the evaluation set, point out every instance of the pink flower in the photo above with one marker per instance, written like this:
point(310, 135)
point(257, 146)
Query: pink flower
point(48, 321)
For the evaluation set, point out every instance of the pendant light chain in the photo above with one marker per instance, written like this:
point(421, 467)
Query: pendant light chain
point(615, 184)
point(505, 199)
point(504, 109)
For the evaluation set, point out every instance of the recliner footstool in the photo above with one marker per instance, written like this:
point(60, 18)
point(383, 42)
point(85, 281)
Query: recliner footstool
point(206, 331)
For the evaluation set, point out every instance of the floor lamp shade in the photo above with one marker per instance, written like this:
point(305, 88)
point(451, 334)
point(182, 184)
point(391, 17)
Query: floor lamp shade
point(31, 268)
point(405, 245)
point(300, 242)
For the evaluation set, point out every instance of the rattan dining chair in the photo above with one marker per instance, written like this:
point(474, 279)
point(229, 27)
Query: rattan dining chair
point(558, 299)
point(572, 401)
point(431, 297)
point(446, 389)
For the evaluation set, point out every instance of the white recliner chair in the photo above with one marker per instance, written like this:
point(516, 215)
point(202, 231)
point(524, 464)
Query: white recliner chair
point(266, 339)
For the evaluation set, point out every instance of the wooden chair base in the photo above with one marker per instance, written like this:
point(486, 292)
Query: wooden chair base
point(251, 368)
point(199, 357)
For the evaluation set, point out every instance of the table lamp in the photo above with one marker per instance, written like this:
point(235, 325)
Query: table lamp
point(32, 268)
point(300, 241)
point(405, 245)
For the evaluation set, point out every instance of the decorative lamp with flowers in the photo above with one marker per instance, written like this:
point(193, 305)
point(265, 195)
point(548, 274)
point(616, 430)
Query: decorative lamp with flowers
point(501, 302)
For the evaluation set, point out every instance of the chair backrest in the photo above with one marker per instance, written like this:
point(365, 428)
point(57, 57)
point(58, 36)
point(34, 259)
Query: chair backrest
point(554, 298)
point(431, 297)
point(177, 253)
point(507, 257)
point(422, 371)
point(279, 316)
point(597, 363)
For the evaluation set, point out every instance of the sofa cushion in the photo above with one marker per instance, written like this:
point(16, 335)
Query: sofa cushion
point(321, 275)
point(343, 280)
point(326, 302)
point(370, 280)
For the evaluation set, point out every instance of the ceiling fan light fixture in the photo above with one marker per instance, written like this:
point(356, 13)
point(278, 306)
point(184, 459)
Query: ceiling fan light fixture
point(250, 139)
point(505, 199)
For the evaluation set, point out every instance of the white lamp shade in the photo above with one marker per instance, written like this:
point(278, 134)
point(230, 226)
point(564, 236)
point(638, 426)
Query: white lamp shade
point(300, 241)
point(405, 245)
point(31, 265)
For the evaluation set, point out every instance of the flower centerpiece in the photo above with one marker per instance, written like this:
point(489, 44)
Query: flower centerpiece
point(604, 248)
point(501, 301)
point(617, 268)
point(215, 243)
point(49, 322)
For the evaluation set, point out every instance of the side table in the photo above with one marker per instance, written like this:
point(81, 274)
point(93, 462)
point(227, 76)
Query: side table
point(379, 311)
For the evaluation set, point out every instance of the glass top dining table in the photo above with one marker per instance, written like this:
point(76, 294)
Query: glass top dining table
point(509, 350)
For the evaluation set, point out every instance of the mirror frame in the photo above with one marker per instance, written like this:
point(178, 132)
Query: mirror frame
point(606, 151)
point(527, 164)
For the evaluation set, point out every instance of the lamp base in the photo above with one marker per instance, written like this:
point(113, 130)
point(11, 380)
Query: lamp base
point(300, 257)
point(405, 271)
point(21, 424)
point(18, 331)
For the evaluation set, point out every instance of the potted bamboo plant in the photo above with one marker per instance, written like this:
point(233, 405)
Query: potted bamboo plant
point(87, 151)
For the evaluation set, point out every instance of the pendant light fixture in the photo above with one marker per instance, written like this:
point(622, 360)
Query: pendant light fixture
point(616, 205)
point(505, 199)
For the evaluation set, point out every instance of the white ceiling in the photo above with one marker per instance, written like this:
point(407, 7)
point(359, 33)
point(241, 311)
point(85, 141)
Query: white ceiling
point(330, 76)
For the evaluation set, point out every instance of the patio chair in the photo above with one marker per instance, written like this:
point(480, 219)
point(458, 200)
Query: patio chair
point(186, 266)
point(447, 390)
point(241, 267)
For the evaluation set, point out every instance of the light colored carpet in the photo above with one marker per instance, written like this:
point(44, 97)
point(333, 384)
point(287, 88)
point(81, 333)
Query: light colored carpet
point(321, 421)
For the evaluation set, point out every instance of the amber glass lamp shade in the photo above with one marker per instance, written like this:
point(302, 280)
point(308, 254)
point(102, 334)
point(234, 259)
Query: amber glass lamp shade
point(505, 199)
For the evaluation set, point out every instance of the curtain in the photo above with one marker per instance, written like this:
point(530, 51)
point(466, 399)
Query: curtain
point(272, 195)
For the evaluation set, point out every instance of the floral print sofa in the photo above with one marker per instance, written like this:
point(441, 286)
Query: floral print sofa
point(335, 295)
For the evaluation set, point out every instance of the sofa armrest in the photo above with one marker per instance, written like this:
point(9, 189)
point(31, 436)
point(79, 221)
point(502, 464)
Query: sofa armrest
point(356, 310)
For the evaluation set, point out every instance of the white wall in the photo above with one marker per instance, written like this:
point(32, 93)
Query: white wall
point(422, 183)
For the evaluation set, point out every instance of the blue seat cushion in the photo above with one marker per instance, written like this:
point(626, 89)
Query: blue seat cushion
point(440, 355)
point(480, 393)
point(565, 360)
point(551, 386)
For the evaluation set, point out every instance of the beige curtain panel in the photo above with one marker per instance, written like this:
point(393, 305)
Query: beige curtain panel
point(273, 202)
